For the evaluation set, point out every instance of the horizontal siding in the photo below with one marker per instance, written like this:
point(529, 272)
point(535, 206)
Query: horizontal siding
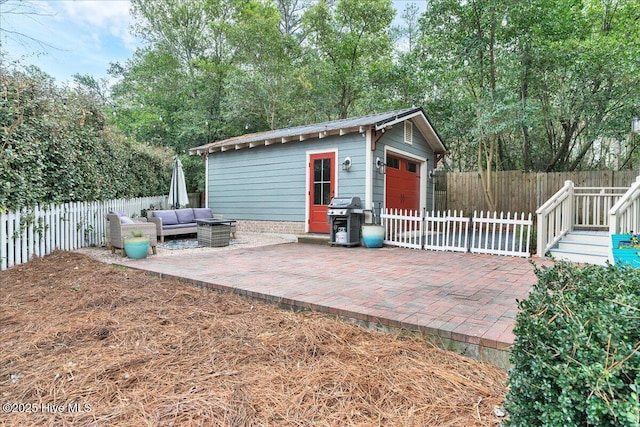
point(266, 192)
point(394, 139)
point(378, 178)
point(352, 182)
point(280, 180)
point(268, 183)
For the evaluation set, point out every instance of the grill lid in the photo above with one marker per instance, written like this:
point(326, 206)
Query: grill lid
point(345, 203)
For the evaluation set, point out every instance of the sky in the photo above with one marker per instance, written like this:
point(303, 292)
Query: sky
point(78, 37)
point(67, 37)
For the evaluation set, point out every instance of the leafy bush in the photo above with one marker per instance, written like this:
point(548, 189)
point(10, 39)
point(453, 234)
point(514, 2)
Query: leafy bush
point(576, 357)
point(194, 172)
point(56, 147)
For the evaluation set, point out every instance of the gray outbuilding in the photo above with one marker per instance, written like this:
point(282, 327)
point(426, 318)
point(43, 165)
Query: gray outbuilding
point(283, 180)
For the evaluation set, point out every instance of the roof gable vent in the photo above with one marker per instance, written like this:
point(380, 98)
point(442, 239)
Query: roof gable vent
point(408, 132)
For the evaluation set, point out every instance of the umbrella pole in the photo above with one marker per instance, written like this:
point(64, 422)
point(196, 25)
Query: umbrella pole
point(176, 196)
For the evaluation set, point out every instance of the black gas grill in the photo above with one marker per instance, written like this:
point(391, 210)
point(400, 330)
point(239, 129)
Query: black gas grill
point(345, 215)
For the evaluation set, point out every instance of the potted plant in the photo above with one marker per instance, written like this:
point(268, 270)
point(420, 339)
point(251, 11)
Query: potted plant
point(626, 249)
point(137, 245)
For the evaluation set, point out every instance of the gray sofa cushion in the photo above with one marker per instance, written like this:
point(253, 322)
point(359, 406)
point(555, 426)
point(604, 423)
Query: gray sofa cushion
point(179, 226)
point(185, 216)
point(202, 213)
point(168, 217)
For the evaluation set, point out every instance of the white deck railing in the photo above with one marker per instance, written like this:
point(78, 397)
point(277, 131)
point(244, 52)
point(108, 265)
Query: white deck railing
point(574, 208)
point(624, 216)
point(554, 218)
point(447, 231)
point(592, 205)
point(41, 229)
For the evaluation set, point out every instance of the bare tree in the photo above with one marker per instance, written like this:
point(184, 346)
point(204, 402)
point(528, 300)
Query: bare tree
point(291, 15)
point(9, 9)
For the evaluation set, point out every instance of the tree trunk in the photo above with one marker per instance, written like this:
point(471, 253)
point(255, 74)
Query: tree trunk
point(524, 96)
point(568, 130)
point(485, 169)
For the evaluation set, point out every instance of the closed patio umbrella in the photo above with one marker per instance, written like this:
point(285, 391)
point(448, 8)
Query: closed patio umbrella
point(178, 191)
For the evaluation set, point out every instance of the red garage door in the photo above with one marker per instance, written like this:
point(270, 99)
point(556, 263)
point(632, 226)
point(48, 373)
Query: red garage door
point(403, 183)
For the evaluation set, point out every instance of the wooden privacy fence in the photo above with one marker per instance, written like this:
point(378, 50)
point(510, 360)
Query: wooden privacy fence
point(484, 233)
point(41, 229)
point(518, 191)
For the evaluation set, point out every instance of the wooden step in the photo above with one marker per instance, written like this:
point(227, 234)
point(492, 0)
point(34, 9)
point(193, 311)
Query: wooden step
point(317, 239)
point(583, 257)
point(586, 247)
point(596, 237)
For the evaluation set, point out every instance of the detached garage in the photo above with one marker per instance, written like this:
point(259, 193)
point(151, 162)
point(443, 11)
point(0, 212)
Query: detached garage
point(283, 180)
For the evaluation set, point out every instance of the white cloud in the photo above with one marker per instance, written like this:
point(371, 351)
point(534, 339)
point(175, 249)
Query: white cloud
point(65, 37)
point(111, 16)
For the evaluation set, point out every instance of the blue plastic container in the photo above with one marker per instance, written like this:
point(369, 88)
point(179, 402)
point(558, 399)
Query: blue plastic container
point(625, 255)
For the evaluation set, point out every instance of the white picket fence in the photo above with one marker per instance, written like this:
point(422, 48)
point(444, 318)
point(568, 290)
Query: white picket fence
point(446, 231)
point(501, 236)
point(403, 228)
point(41, 229)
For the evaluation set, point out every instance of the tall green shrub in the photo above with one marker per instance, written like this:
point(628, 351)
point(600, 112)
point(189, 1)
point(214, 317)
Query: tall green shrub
point(56, 147)
point(576, 357)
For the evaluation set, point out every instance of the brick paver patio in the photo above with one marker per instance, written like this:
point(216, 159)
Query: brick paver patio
point(467, 301)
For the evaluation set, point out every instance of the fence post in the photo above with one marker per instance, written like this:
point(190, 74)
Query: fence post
point(36, 231)
point(423, 228)
point(568, 219)
point(528, 233)
point(24, 229)
point(3, 240)
point(48, 236)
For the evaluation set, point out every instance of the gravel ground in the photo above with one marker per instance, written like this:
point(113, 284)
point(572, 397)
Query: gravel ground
point(242, 241)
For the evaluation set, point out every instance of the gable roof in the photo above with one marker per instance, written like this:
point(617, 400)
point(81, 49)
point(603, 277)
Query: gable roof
point(376, 122)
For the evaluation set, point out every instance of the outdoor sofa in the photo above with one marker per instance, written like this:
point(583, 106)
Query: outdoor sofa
point(173, 222)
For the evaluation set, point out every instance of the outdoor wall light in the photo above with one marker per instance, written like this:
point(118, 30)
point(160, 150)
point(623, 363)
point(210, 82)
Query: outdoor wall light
point(346, 165)
point(380, 165)
point(635, 125)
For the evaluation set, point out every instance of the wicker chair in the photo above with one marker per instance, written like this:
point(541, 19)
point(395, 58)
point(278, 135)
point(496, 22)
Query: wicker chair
point(118, 231)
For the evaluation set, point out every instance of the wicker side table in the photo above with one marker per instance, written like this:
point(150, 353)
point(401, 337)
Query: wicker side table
point(214, 232)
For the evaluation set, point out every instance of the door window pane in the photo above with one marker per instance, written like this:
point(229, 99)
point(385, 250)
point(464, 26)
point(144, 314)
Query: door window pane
point(326, 193)
point(321, 181)
point(326, 169)
point(393, 162)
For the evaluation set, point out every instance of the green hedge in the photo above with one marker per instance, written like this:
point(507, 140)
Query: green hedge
point(56, 147)
point(576, 357)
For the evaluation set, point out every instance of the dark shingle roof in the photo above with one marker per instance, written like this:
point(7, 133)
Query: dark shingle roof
point(322, 130)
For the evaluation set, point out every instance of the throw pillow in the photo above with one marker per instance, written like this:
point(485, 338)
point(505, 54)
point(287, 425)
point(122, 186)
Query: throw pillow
point(125, 220)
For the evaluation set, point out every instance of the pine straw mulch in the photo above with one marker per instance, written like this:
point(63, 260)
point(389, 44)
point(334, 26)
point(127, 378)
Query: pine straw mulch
point(140, 350)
